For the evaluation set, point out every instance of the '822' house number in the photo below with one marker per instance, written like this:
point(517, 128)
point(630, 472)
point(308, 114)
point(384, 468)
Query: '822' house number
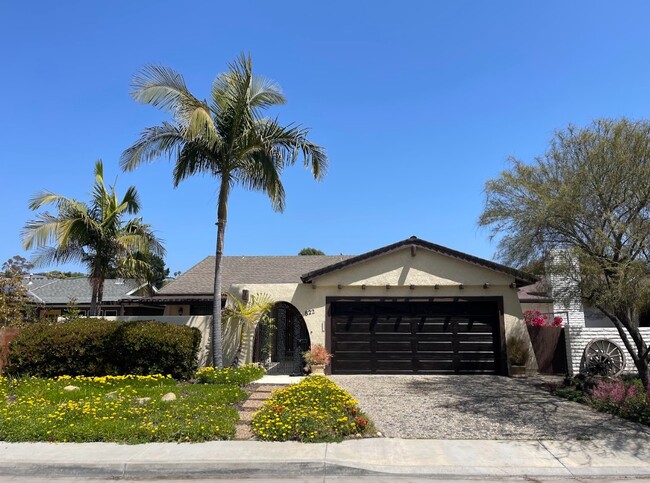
point(310, 312)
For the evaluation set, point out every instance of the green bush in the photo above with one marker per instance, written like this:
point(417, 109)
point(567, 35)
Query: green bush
point(93, 347)
point(230, 375)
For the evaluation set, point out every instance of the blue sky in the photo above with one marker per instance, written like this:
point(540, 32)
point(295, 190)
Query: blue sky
point(417, 104)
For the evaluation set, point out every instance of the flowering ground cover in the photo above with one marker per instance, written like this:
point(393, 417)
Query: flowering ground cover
point(115, 408)
point(315, 410)
point(623, 397)
point(229, 375)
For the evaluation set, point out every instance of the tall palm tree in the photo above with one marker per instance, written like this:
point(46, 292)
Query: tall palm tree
point(228, 138)
point(95, 234)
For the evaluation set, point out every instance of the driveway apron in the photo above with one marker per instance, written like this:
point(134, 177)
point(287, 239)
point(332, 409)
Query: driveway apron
point(478, 407)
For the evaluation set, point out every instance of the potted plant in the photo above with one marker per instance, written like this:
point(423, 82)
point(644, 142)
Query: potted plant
point(518, 354)
point(317, 358)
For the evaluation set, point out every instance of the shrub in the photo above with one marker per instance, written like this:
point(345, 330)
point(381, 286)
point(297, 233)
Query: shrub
point(314, 410)
point(615, 396)
point(93, 347)
point(230, 375)
point(317, 356)
point(518, 351)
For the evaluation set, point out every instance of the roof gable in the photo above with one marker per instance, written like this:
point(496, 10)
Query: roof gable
point(415, 244)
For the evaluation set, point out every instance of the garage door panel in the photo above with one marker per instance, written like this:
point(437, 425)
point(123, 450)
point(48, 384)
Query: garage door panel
point(350, 345)
point(431, 346)
point(407, 336)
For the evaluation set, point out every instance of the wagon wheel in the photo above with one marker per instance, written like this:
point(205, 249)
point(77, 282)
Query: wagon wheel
point(604, 358)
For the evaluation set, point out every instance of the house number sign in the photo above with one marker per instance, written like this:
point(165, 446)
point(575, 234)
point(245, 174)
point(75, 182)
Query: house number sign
point(310, 312)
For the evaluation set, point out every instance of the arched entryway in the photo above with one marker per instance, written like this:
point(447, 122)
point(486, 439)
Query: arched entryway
point(280, 345)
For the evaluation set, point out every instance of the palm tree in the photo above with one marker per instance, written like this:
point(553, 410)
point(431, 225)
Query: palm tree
point(228, 138)
point(249, 314)
point(94, 234)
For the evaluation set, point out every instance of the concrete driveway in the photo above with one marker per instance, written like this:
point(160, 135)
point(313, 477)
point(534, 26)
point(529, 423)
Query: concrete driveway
point(479, 407)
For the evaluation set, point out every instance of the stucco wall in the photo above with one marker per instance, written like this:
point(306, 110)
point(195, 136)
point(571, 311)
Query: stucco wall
point(399, 270)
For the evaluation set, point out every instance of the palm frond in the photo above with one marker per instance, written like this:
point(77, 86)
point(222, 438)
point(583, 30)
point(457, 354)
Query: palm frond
point(164, 88)
point(164, 140)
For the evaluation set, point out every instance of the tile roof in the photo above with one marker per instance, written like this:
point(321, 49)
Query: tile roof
point(60, 291)
point(244, 269)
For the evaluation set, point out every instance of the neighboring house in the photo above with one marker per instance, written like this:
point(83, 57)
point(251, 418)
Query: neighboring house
point(409, 307)
point(52, 296)
point(584, 323)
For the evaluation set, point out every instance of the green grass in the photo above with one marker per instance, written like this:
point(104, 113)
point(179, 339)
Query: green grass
point(315, 410)
point(107, 409)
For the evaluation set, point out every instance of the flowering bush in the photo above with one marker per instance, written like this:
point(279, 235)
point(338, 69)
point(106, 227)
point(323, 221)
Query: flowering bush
point(625, 399)
point(317, 355)
point(230, 375)
point(536, 318)
point(314, 410)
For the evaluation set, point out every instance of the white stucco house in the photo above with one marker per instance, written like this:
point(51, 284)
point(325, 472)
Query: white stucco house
point(409, 307)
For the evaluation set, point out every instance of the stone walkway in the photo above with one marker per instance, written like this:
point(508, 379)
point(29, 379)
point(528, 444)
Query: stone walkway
point(259, 394)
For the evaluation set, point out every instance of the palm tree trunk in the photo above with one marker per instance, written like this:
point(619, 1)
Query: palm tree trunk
point(93, 297)
point(217, 343)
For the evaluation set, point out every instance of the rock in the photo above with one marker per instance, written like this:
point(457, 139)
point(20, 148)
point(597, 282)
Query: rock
point(358, 435)
point(11, 398)
point(379, 434)
point(71, 388)
point(143, 400)
point(170, 396)
point(111, 395)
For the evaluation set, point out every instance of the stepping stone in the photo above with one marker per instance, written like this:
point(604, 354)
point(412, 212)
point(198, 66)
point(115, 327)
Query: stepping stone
point(243, 431)
point(246, 416)
point(256, 396)
point(252, 404)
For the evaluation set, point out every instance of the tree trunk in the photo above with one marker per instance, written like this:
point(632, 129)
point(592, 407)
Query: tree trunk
point(93, 297)
point(217, 343)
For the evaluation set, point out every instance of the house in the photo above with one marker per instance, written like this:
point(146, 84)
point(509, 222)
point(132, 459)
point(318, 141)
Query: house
point(409, 307)
point(584, 323)
point(53, 296)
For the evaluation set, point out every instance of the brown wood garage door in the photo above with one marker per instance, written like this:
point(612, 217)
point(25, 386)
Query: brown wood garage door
point(423, 336)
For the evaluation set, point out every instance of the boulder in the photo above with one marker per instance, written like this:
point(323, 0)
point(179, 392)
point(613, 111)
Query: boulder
point(170, 396)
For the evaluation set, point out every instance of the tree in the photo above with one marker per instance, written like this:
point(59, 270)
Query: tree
point(14, 307)
point(16, 265)
point(249, 314)
point(310, 251)
point(227, 138)
point(95, 234)
point(588, 196)
point(157, 272)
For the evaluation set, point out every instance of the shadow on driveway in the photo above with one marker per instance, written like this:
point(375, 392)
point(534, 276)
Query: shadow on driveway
point(480, 407)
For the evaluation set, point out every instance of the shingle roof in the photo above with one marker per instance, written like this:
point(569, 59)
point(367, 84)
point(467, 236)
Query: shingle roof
point(60, 291)
point(243, 269)
point(521, 278)
point(534, 293)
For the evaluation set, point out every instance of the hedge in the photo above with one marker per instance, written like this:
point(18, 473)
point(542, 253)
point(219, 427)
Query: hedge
point(96, 347)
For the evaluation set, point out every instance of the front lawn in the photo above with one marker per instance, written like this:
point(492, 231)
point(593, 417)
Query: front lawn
point(115, 408)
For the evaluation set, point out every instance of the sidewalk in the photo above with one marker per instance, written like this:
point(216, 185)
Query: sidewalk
point(366, 457)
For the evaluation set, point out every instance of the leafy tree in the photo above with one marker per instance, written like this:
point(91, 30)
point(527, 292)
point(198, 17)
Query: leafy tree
point(228, 138)
point(59, 274)
point(588, 196)
point(249, 314)
point(157, 272)
point(14, 301)
point(16, 265)
point(310, 251)
point(95, 234)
